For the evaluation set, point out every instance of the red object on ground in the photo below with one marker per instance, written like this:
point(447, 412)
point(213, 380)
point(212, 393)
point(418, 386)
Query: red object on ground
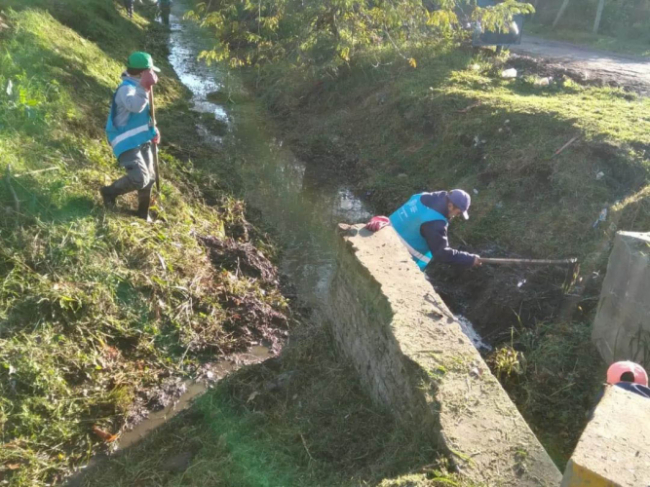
point(376, 223)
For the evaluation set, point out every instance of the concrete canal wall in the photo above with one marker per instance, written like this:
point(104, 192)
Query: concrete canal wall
point(413, 358)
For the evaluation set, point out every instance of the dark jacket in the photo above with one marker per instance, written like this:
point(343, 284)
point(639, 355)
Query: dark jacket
point(435, 233)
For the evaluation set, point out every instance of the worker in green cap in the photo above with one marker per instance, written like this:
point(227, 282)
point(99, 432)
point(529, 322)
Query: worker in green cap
point(131, 133)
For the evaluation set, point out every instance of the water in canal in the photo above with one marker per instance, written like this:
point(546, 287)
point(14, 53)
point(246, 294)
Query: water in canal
point(300, 201)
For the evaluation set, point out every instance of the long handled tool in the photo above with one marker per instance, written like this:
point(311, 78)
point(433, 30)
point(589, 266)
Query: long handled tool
point(155, 146)
point(529, 261)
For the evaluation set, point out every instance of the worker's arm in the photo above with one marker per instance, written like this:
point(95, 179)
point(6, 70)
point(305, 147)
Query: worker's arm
point(435, 233)
point(133, 98)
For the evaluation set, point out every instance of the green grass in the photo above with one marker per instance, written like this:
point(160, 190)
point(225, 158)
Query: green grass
point(454, 122)
point(300, 421)
point(96, 306)
point(588, 39)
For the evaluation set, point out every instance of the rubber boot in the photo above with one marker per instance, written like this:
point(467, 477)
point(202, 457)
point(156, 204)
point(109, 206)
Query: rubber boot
point(109, 195)
point(144, 201)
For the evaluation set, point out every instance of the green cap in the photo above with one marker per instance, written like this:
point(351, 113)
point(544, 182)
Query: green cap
point(141, 60)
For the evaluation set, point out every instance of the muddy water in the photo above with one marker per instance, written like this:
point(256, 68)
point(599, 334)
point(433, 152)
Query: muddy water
point(301, 202)
point(192, 390)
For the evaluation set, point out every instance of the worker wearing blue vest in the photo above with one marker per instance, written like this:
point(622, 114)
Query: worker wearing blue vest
point(422, 224)
point(130, 132)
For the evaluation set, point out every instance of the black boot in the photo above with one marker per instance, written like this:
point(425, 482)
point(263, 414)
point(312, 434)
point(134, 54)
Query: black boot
point(109, 194)
point(144, 201)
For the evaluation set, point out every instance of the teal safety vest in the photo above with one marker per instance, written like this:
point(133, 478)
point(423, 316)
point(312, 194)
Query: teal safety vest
point(138, 130)
point(407, 221)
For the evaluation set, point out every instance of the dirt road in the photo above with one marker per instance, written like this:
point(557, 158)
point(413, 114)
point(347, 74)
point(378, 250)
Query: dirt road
point(589, 64)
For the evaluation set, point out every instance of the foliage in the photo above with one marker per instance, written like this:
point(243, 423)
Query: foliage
point(326, 34)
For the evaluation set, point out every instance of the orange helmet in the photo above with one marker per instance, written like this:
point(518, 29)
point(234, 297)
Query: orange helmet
point(636, 373)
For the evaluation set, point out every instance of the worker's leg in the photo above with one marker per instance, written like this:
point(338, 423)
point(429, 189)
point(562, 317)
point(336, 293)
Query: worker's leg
point(128, 4)
point(144, 194)
point(139, 174)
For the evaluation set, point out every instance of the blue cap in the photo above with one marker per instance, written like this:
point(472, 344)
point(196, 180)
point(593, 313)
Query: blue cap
point(461, 200)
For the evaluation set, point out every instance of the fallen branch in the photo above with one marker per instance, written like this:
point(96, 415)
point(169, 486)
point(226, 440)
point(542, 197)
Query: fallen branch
point(468, 108)
point(561, 149)
point(53, 168)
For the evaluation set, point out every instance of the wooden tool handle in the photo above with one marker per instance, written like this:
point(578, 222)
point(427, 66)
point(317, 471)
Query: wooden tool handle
point(152, 107)
point(529, 261)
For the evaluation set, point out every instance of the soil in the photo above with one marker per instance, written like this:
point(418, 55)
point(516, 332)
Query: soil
point(250, 319)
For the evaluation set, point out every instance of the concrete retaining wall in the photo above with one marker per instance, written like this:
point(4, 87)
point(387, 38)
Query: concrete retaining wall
point(411, 354)
point(613, 450)
point(622, 326)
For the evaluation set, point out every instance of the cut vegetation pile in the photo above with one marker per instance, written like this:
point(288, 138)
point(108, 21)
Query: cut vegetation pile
point(99, 309)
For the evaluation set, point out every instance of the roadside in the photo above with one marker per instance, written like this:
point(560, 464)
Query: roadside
point(590, 40)
point(589, 64)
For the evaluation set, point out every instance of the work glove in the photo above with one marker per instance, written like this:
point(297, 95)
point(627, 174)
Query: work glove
point(156, 139)
point(148, 79)
point(376, 223)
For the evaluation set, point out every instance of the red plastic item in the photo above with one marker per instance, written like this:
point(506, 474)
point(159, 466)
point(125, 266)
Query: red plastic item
point(376, 223)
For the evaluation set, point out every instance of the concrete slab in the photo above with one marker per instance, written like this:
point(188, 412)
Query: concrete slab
point(410, 352)
point(614, 450)
point(621, 329)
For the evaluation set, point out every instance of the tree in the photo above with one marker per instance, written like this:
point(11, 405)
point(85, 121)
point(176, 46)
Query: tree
point(599, 14)
point(327, 33)
point(560, 12)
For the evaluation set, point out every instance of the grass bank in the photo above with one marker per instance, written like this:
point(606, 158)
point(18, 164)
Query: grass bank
point(455, 122)
point(99, 310)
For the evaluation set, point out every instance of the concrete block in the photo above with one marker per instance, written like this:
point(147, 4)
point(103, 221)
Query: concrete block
point(421, 363)
point(614, 450)
point(621, 329)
